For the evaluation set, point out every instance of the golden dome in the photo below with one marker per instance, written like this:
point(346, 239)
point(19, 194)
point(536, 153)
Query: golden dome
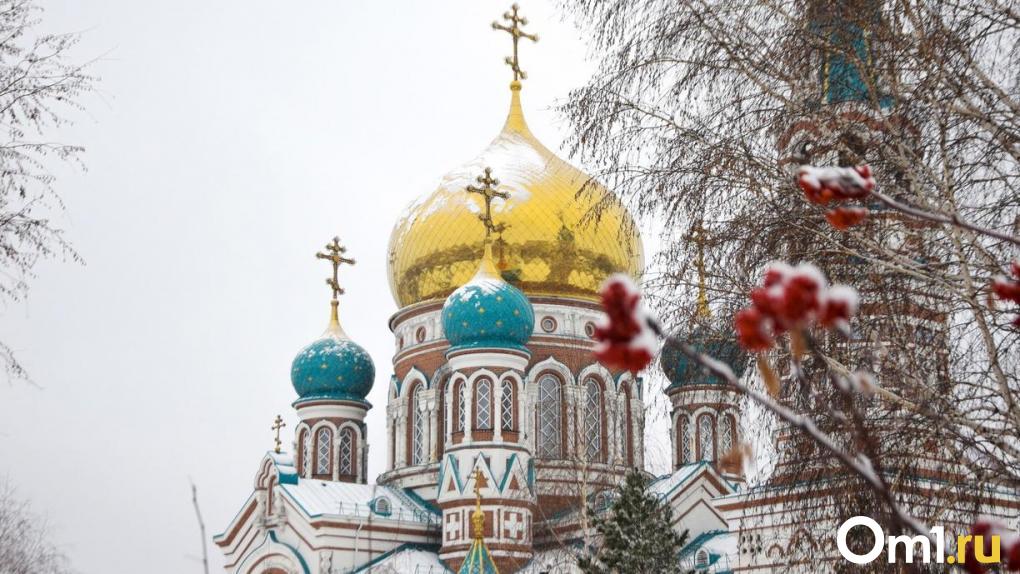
point(551, 246)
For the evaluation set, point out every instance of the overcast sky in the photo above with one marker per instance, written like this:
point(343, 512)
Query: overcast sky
point(229, 141)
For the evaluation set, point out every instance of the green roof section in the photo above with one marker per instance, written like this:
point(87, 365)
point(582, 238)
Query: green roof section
point(478, 560)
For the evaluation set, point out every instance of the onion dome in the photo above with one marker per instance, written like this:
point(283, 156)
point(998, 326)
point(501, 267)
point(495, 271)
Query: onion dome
point(488, 312)
point(332, 367)
point(549, 247)
point(682, 371)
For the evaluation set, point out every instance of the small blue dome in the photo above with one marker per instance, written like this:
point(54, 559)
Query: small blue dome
point(681, 371)
point(332, 367)
point(488, 312)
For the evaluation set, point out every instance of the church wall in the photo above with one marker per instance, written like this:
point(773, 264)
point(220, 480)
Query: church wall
point(565, 352)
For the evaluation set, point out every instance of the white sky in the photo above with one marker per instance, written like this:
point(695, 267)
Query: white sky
point(230, 141)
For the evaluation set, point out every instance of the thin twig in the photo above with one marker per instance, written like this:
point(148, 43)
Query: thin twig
point(201, 526)
point(859, 466)
point(943, 218)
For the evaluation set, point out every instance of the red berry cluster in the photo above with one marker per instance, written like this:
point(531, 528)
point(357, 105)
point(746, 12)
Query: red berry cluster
point(824, 185)
point(1009, 545)
point(1008, 288)
point(793, 298)
point(626, 340)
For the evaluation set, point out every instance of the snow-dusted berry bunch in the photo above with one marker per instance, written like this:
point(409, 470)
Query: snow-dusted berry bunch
point(1009, 545)
point(627, 339)
point(1008, 288)
point(825, 185)
point(793, 298)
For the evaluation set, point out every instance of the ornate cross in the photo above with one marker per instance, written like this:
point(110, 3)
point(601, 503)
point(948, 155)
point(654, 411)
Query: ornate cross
point(488, 191)
point(514, 29)
point(335, 256)
point(277, 425)
point(477, 517)
point(479, 484)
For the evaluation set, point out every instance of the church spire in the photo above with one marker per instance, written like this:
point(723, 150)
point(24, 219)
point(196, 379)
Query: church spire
point(487, 189)
point(278, 425)
point(478, 559)
point(488, 192)
point(513, 27)
point(334, 254)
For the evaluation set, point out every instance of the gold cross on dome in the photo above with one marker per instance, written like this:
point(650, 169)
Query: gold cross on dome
point(335, 256)
point(277, 425)
point(488, 192)
point(514, 29)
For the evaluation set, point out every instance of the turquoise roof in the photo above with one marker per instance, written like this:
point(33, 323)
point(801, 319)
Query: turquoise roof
point(478, 560)
point(841, 77)
point(332, 367)
point(488, 312)
point(717, 563)
point(681, 370)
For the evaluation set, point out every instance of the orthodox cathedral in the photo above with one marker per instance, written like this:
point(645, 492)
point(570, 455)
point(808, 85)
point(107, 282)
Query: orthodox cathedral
point(503, 431)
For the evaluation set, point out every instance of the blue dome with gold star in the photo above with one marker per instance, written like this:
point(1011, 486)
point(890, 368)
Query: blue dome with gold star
point(332, 368)
point(488, 312)
point(682, 371)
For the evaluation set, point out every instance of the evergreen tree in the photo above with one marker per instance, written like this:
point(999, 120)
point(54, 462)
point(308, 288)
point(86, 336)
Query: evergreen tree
point(636, 534)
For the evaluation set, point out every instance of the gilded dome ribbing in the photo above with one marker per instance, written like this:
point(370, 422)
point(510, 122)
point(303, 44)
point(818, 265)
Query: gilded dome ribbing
point(552, 245)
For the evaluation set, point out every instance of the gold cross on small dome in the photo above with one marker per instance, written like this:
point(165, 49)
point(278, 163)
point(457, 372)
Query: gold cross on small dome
point(514, 29)
point(335, 256)
point(277, 425)
point(488, 191)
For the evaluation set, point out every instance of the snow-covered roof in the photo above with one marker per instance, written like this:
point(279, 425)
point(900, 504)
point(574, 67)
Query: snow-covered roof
point(328, 498)
point(558, 559)
point(721, 547)
point(284, 463)
point(666, 484)
point(406, 559)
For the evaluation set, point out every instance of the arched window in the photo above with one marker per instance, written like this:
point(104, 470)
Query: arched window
point(347, 450)
point(441, 417)
point(303, 462)
point(706, 438)
point(323, 444)
point(593, 420)
point(460, 406)
point(549, 418)
point(506, 406)
point(727, 434)
point(483, 404)
point(701, 558)
point(418, 426)
point(382, 506)
point(684, 438)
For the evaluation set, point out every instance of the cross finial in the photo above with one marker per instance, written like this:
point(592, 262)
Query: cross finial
point(335, 256)
point(478, 518)
point(488, 191)
point(514, 29)
point(277, 425)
